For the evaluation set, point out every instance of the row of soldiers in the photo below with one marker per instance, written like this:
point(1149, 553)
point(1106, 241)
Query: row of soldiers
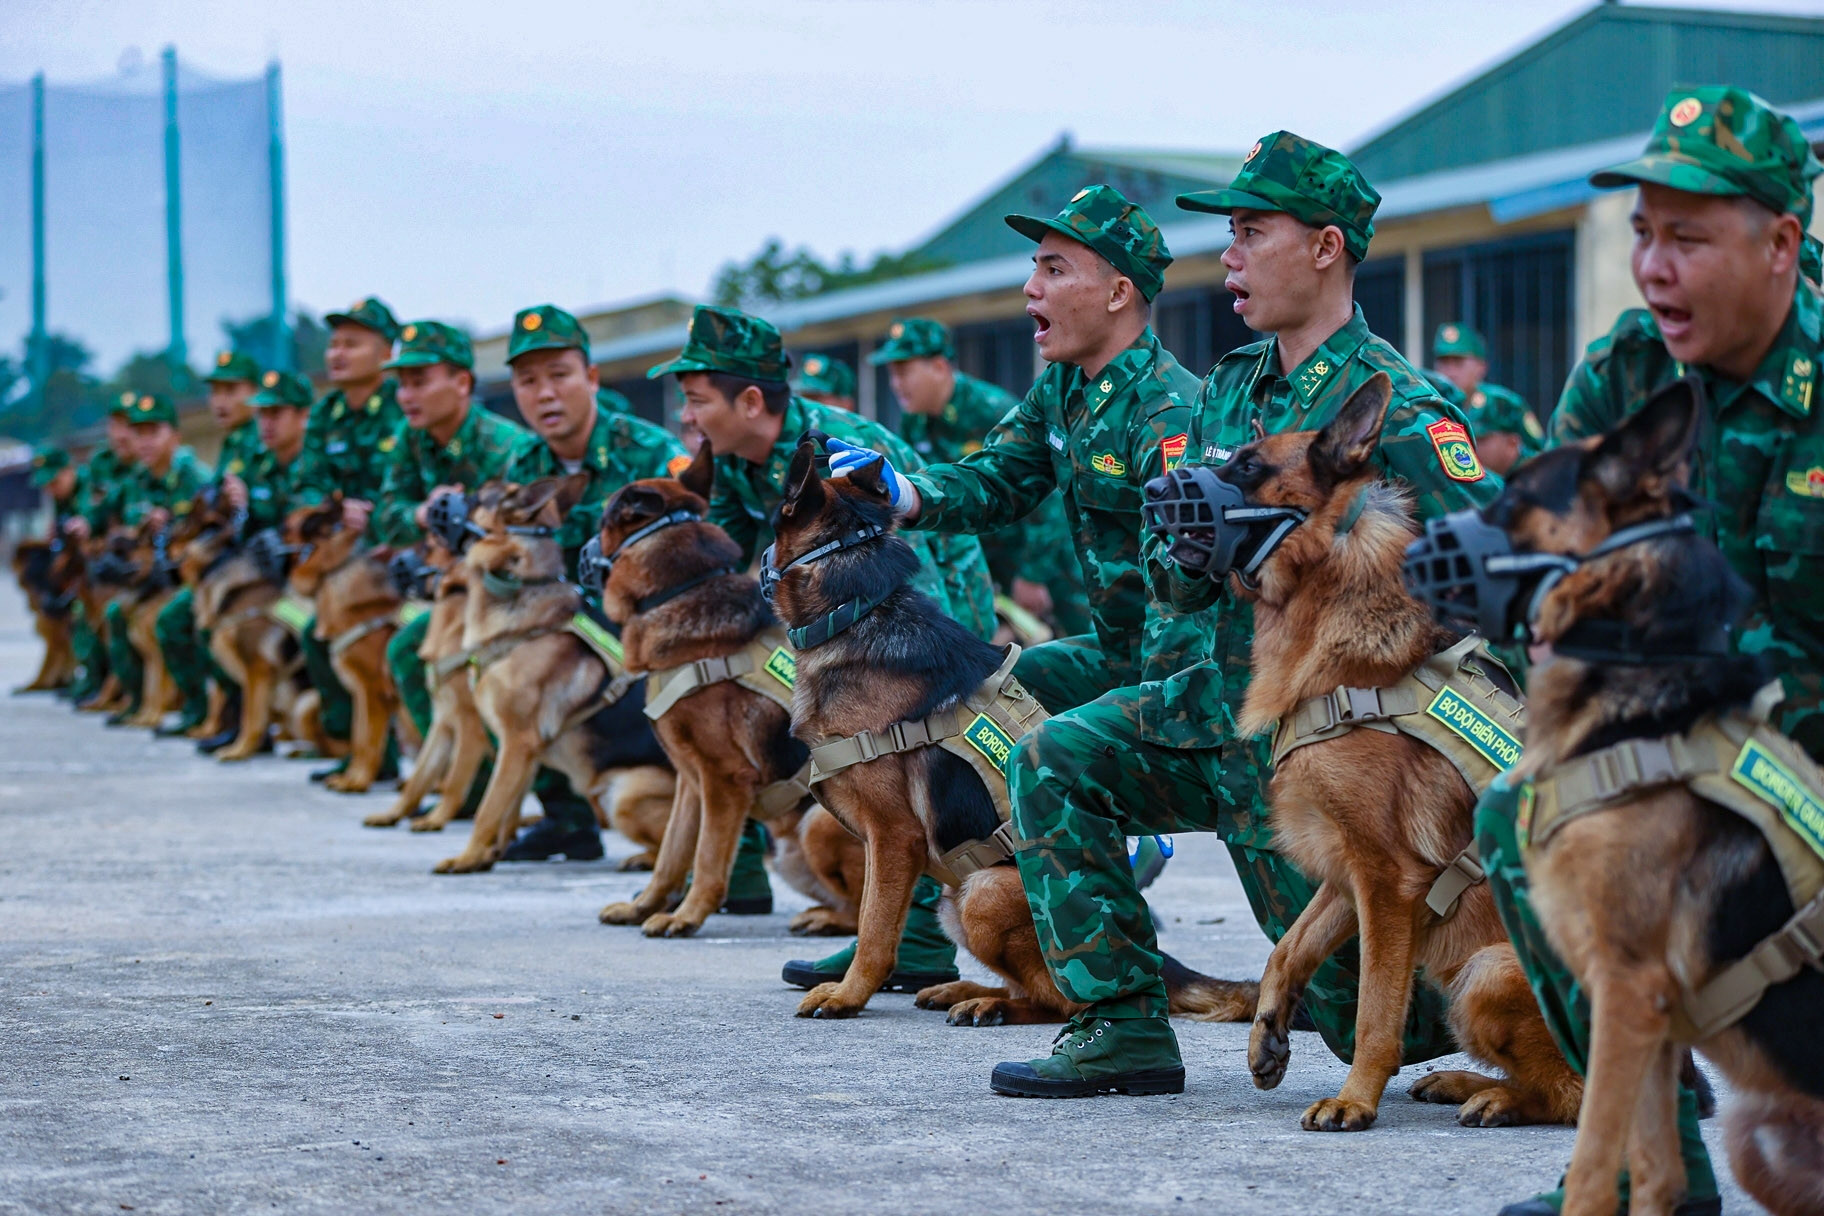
point(1141, 741)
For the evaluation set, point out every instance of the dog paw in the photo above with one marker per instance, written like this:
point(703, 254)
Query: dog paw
point(1269, 1051)
point(1338, 1115)
point(943, 996)
point(821, 922)
point(1496, 1106)
point(463, 863)
point(638, 862)
point(624, 913)
point(232, 756)
point(827, 1001)
point(427, 823)
point(1450, 1086)
point(979, 1011)
point(669, 924)
point(380, 819)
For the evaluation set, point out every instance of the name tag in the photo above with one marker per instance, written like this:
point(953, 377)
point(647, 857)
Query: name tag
point(1216, 454)
point(260, 492)
point(336, 447)
point(1056, 440)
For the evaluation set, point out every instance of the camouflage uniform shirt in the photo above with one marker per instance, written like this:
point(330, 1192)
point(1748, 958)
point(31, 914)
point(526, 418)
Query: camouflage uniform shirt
point(951, 571)
point(1095, 442)
point(1760, 460)
point(1494, 410)
point(141, 493)
point(239, 449)
point(96, 483)
point(345, 443)
point(274, 490)
point(622, 448)
point(482, 447)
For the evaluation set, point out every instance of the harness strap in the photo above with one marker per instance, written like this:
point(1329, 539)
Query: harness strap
point(449, 665)
point(763, 656)
point(616, 682)
point(1464, 871)
point(783, 796)
point(293, 613)
point(1731, 993)
point(348, 637)
point(974, 855)
point(234, 619)
point(828, 759)
point(665, 596)
point(1591, 781)
point(495, 649)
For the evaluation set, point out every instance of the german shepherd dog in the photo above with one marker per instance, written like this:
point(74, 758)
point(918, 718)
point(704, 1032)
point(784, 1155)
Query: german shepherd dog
point(149, 579)
point(205, 541)
point(231, 601)
point(680, 596)
point(33, 563)
point(88, 570)
point(357, 615)
point(546, 695)
point(1374, 816)
point(457, 744)
point(901, 662)
point(1656, 892)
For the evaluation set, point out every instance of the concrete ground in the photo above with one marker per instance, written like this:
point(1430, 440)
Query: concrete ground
point(219, 993)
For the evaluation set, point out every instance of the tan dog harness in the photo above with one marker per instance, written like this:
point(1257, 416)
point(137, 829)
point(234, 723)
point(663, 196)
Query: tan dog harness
point(1448, 702)
point(982, 729)
point(1738, 762)
point(581, 626)
point(765, 666)
point(293, 613)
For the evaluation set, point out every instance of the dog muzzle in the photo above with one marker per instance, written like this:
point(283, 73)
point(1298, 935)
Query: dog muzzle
point(412, 577)
point(1209, 525)
point(1467, 571)
point(271, 555)
point(593, 565)
point(447, 518)
point(771, 573)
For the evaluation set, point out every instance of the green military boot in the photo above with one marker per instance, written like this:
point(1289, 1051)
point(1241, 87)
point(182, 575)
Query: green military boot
point(750, 892)
point(1097, 1055)
point(926, 957)
point(1701, 1195)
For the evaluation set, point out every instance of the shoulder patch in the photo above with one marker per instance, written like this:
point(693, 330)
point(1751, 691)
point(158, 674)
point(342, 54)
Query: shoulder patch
point(1456, 453)
point(1172, 448)
point(676, 465)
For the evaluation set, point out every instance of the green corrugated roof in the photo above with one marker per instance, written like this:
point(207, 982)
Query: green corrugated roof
point(1150, 177)
point(1601, 75)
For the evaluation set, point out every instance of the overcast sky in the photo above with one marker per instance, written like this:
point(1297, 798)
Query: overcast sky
point(463, 159)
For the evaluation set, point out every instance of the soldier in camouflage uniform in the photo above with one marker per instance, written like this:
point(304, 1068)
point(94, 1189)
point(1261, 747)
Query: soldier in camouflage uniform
point(272, 483)
point(344, 450)
point(733, 371)
point(163, 485)
point(1111, 411)
point(232, 383)
point(1162, 757)
point(826, 380)
point(53, 473)
point(1725, 174)
point(555, 387)
point(95, 483)
point(947, 415)
point(1506, 429)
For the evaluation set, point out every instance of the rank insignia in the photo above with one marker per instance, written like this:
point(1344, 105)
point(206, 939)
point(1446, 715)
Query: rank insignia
point(1312, 378)
point(1795, 386)
point(388, 444)
point(1455, 451)
point(1173, 450)
point(1807, 483)
point(1108, 464)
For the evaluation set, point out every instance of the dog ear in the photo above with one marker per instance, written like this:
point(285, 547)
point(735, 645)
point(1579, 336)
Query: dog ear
point(633, 504)
point(1651, 446)
point(1344, 447)
point(700, 477)
point(531, 501)
point(867, 478)
point(570, 491)
point(803, 487)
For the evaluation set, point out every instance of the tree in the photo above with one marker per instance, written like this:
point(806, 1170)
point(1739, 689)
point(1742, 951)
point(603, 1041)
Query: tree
point(308, 341)
point(774, 275)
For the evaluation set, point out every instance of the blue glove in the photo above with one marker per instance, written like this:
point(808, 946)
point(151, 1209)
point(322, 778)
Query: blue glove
point(845, 458)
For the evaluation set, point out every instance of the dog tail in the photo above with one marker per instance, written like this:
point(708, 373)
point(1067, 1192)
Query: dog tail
point(1205, 998)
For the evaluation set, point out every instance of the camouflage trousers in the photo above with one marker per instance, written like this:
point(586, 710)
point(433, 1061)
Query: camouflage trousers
point(336, 707)
point(1561, 998)
point(186, 651)
point(1085, 781)
point(1067, 672)
point(123, 660)
point(563, 805)
point(92, 653)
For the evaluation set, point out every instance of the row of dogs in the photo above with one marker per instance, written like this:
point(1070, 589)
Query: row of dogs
point(523, 672)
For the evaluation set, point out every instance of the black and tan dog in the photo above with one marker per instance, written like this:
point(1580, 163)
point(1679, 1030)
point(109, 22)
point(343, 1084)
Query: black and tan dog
point(457, 743)
point(875, 654)
point(675, 584)
point(1377, 815)
point(34, 564)
point(148, 580)
point(548, 681)
point(357, 615)
point(1669, 834)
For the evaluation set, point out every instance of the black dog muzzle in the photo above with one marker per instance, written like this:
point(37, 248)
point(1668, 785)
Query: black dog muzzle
point(770, 574)
point(1210, 525)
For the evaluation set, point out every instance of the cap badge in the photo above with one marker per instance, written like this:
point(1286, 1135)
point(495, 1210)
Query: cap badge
point(357, 306)
point(898, 331)
point(1254, 151)
point(221, 360)
point(532, 322)
point(1078, 196)
point(270, 379)
point(128, 398)
point(409, 332)
point(1685, 112)
point(1450, 333)
point(146, 403)
point(813, 366)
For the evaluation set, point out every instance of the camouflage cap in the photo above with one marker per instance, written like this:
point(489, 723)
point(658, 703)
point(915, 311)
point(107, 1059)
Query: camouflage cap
point(1456, 338)
point(151, 407)
point(231, 366)
point(47, 462)
point(1102, 218)
point(729, 340)
point(283, 388)
point(919, 338)
point(1724, 140)
point(819, 373)
point(1309, 182)
point(369, 312)
point(546, 327)
point(422, 343)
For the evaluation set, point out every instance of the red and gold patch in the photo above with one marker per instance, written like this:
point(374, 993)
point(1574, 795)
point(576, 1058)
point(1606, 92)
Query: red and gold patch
point(676, 465)
point(1173, 450)
point(1456, 451)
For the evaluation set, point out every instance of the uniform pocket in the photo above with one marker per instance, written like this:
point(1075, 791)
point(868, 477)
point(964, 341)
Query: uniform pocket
point(1790, 535)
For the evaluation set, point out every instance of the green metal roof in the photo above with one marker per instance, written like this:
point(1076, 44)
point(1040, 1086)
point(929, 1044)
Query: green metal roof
point(1150, 177)
point(1601, 75)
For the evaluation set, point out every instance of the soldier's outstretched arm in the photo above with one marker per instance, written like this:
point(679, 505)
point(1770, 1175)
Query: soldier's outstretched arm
point(999, 485)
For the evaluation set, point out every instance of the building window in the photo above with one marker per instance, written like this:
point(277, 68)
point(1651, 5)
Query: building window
point(650, 397)
point(1199, 326)
point(1518, 293)
point(1380, 290)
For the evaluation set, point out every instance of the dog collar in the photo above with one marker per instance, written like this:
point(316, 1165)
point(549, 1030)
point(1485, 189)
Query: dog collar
point(508, 586)
point(827, 626)
point(668, 520)
point(666, 595)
